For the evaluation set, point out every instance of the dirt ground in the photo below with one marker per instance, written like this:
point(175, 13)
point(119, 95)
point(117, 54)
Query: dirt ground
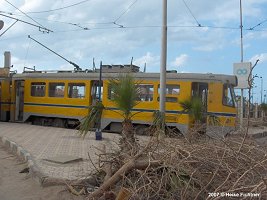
point(20, 186)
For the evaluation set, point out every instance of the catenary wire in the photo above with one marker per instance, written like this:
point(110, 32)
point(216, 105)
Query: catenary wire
point(142, 26)
point(124, 12)
point(26, 14)
point(27, 52)
point(259, 24)
point(40, 28)
point(191, 13)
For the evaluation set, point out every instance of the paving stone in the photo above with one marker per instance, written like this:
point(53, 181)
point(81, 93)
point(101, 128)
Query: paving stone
point(63, 159)
point(48, 142)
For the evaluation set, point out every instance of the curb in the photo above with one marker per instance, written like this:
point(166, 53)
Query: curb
point(25, 156)
point(259, 135)
point(34, 170)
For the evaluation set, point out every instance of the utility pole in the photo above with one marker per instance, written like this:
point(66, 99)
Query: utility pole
point(261, 87)
point(242, 59)
point(163, 59)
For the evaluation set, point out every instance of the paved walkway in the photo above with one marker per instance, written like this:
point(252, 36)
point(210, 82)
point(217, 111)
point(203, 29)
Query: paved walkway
point(258, 132)
point(36, 143)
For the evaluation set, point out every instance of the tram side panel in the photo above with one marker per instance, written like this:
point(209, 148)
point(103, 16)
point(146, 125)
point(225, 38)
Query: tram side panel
point(149, 103)
point(221, 109)
point(67, 99)
point(5, 99)
point(46, 100)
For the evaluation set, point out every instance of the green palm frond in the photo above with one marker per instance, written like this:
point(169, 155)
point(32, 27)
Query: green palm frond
point(186, 105)
point(194, 107)
point(197, 109)
point(92, 120)
point(124, 93)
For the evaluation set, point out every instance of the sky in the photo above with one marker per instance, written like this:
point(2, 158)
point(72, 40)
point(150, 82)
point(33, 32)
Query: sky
point(203, 35)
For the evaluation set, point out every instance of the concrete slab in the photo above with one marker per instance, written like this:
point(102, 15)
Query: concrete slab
point(63, 159)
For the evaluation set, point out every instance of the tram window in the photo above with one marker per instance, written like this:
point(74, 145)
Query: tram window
point(38, 89)
point(145, 92)
point(56, 89)
point(171, 89)
point(170, 99)
point(76, 90)
point(110, 93)
point(228, 95)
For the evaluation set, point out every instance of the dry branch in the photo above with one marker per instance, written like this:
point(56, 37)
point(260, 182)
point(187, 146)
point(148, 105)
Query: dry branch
point(172, 168)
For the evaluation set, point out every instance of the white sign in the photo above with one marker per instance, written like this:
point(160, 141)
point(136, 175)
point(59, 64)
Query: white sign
point(1, 24)
point(242, 71)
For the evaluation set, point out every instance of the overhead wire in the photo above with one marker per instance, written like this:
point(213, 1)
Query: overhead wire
point(119, 26)
point(191, 13)
point(124, 12)
point(27, 15)
point(27, 52)
point(40, 28)
point(128, 27)
point(259, 24)
point(9, 28)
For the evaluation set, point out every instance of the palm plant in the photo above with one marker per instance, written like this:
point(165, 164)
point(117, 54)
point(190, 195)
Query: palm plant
point(196, 111)
point(93, 118)
point(124, 93)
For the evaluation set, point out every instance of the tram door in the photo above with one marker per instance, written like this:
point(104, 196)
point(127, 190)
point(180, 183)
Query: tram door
point(96, 91)
point(201, 90)
point(19, 100)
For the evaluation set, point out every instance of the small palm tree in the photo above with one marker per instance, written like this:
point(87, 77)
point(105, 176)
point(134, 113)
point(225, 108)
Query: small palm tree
point(92, 120)
point(195, 109)
point(124, 93)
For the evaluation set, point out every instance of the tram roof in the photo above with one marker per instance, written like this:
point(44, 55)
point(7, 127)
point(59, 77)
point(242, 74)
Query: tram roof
point(194, 77)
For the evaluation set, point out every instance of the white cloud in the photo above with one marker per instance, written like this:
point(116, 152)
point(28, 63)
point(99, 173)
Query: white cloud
point(18, 64)
point(115, 45)
point(149, 59)
point(262, 57)
point(30, 5)
point(180, 60)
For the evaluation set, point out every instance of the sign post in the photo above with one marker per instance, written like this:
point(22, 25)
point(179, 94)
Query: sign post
point(242, 71)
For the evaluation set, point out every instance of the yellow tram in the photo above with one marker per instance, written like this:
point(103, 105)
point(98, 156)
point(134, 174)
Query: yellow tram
point(62, 98)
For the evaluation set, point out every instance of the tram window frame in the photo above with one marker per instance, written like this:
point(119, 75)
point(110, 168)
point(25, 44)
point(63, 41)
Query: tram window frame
point(146, 97)
point(226, 100)
point(168, 88)
point(79, 95)
point(170, 96)
point(41, 86)
point(53, 92)
point(110, 93)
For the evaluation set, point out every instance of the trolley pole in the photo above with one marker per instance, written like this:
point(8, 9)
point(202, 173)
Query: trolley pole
point(163, 59)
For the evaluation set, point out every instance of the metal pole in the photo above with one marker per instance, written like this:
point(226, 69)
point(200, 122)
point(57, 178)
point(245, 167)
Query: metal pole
point(100, 82)
point(261, 87)
point(163, 58)
point(242, 56)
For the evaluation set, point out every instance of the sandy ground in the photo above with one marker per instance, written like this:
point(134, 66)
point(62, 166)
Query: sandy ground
point(20, 186)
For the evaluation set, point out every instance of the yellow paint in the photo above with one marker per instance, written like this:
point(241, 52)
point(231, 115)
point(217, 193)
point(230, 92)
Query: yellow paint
point(34, 104)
